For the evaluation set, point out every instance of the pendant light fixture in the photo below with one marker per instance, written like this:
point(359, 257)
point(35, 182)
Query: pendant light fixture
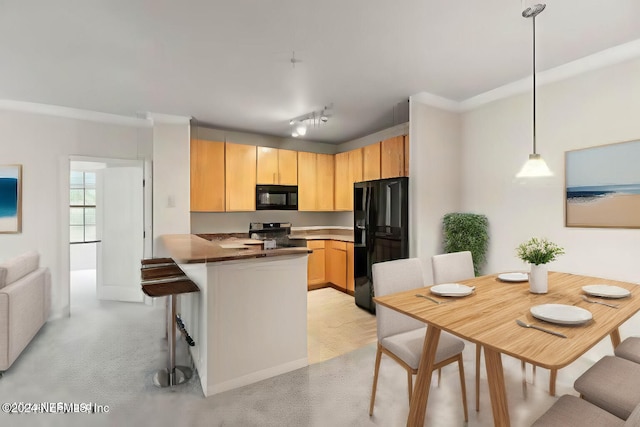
point(535, 166)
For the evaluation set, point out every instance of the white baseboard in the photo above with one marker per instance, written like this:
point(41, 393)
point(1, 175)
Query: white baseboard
point(255, 377)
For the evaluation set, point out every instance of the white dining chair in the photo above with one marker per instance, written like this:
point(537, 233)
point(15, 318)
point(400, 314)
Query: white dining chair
point(451, 268)
point(399, 336)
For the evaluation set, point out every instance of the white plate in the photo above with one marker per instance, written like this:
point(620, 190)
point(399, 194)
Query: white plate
point(606, 291)
point(452, 290)
point(561, 313)
point(513, 277)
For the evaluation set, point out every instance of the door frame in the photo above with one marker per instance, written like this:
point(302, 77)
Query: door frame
point(63, 214)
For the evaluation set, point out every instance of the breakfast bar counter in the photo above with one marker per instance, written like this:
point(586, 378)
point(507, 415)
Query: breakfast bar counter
point(189, 248)
point(249, 320)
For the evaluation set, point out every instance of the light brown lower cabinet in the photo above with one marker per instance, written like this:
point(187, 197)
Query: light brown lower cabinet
point(316, 263)
point(337, 263)
point(350, 265)
point(330, 264)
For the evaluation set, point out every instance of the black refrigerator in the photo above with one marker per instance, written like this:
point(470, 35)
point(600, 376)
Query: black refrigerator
point(380, 228)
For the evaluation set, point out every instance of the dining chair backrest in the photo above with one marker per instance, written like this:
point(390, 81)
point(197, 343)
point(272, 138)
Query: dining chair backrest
point(390, 277)
point(448, 268)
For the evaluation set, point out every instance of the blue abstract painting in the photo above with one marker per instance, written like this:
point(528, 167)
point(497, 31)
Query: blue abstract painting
point(10, 195)
point(603, 186)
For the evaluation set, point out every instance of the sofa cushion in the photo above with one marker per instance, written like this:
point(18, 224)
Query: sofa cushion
point(15, 268)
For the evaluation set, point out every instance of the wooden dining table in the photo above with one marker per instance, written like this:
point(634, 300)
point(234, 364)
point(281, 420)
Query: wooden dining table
point(488, 317)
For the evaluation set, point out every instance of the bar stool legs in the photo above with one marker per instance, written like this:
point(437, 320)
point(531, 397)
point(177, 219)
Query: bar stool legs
point(173, 375)
point(162, 277)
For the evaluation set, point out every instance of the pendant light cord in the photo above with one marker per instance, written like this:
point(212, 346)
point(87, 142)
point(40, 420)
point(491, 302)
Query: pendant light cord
point(534, 84)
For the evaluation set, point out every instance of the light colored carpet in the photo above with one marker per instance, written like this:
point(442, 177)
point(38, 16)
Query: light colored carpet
point(107, 352)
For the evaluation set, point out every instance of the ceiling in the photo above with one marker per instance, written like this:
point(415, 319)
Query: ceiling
point(228, 63)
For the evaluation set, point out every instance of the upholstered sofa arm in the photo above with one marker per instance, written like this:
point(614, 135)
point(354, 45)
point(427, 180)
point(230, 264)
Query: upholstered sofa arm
point(24, 308)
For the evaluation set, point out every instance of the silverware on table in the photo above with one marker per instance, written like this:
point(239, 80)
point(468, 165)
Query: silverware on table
point(549, 331)
point(432, 299)
point(598, 302)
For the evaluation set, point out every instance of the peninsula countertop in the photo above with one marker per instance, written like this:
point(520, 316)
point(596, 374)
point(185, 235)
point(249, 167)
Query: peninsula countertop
point(189, 248)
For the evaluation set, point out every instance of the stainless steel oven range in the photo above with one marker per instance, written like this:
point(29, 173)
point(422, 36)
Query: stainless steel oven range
point(275, 231)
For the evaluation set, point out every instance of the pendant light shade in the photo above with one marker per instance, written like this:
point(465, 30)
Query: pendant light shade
point(535, 166)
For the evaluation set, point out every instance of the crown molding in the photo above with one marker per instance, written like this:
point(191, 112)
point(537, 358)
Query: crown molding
point(605, 58)
point(72, 113)
point(168, 118)
point(436, 101)
point(602, 59)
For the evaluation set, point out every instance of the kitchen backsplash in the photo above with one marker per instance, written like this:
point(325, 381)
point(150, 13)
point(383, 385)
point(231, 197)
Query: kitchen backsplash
point(238, 222)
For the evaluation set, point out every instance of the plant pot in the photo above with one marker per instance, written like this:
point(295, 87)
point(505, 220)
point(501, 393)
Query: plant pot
point(538, 279)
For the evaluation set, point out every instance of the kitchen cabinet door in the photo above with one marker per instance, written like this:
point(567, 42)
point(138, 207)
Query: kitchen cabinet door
point(348, 171)
point(207, 176)
point(392, 157)
point(267, 166)
point(275, 166)
point(324, 182)
point(307, 181)
point(371, 162)
point(240, 177)
point(287, 167)
point(337, 263)
point(350, 265)
point(316, 263)
point(355, 170)
point(342, 184)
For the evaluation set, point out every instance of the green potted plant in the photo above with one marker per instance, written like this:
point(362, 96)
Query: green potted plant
point(467, 232)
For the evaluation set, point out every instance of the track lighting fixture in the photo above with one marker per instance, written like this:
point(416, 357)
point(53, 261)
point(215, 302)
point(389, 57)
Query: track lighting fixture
point(300, 124)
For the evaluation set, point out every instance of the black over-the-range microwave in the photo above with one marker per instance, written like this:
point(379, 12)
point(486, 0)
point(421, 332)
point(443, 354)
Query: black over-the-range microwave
point(276, 197)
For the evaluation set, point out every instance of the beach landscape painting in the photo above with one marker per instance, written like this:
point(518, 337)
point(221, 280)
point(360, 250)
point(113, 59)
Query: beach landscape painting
point(10, 198)
point(603, 186)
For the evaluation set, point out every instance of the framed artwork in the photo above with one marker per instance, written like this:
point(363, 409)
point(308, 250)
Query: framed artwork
point(602, 186)
point(10, 198)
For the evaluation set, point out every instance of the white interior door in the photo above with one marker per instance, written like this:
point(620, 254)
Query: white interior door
point(120, 221)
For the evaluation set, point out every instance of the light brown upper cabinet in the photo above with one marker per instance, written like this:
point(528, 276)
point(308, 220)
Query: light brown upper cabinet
point(307, 181)
point(207, 176)
point(371, 162)
point(240, 175)
point(406, 155)
point(325, 170)
point(276, 166)
point(392, 157)
point(348, 171)
point(315, 181)
point(341, 182)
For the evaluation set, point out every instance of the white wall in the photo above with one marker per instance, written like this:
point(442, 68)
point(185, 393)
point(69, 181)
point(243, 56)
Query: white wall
point(595, 108)
point(434, 178)
point(43, 144)
point(171, 191)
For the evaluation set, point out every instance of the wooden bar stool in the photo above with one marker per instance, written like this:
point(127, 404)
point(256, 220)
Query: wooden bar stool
point(162, 277)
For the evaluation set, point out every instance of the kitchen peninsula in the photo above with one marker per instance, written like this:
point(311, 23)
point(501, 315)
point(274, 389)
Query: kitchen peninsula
point(249, 320)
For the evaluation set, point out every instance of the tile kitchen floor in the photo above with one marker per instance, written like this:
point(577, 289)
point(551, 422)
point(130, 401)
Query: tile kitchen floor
point(335, 325)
